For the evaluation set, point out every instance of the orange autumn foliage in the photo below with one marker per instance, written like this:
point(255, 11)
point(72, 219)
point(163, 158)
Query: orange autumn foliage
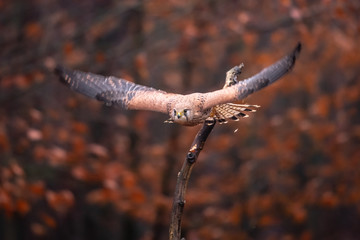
point(72, 167)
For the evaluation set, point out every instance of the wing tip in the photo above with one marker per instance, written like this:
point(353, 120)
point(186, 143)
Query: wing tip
point(62, 73)
point(59, 69)
point(296, 52)
point(293, 56)
point(297, 49)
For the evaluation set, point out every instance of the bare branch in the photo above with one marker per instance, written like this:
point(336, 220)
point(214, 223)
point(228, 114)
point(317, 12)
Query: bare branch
point(183, 179)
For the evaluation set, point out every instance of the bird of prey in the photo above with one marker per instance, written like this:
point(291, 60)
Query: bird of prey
point(188, 110)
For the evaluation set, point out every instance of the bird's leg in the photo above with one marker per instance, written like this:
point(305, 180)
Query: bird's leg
point(169, 121)
point(231, 79)
point(210, 121)
point(232, 75)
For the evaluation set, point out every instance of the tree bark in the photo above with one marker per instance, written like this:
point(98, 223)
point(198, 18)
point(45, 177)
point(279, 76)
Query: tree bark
point(183, 179)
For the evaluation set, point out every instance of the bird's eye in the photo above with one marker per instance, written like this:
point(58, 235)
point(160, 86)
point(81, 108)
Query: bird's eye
point(174, 112)
point(185, 111)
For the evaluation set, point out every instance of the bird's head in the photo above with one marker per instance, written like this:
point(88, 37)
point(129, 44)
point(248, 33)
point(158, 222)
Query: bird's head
point(182, 115)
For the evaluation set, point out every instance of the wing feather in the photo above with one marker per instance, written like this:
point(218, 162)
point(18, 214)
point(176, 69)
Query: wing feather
point(112, 90)
point(250, 85)
point(232, 111)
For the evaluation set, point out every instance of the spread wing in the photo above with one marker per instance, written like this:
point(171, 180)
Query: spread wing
point(248, 86)
point(112, 90)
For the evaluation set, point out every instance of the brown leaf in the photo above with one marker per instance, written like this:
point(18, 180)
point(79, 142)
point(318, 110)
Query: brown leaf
point(37, 188)
point(48, 220)
point(33, 30)
point(60, 201)
point(22, 206)
point(137, 195)
point(79, 127)
point(34, 134)
point(38, 229)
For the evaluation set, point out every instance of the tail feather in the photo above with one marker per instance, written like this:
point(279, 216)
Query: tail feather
point(232, 111)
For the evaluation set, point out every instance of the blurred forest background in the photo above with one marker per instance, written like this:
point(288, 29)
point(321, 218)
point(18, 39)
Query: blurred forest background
point(72, 168)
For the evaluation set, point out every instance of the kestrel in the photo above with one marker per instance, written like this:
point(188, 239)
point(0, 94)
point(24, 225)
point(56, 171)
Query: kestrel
point(188, 110)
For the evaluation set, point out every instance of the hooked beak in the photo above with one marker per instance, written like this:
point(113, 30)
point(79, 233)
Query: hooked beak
point(179, 114)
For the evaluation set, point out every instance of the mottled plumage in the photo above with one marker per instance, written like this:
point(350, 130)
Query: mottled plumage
point(188, 110)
